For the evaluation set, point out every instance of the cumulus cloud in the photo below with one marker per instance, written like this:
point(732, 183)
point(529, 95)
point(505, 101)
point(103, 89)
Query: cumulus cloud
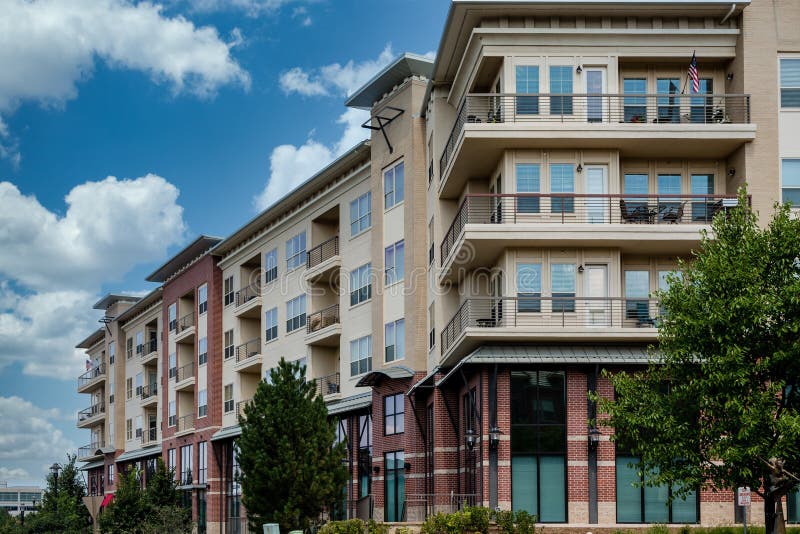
point(252, 8)
point(9, 147)
point(296, 80)
point(301, 13)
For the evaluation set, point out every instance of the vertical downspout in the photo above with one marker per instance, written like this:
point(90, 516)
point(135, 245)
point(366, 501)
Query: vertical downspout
point(493, 450)
point(591, 387)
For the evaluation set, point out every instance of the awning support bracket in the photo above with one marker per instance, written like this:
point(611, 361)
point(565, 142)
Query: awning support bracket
point(383, 122)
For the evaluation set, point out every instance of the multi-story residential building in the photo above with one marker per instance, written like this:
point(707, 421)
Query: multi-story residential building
point(18, 499)
point(457, 283)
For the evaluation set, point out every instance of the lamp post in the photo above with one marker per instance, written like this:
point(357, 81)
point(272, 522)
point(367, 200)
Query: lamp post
point(54, 469)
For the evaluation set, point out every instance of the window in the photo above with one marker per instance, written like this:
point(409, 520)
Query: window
point(129, 429)
point(139, 384)
point(172, 415)
point(110, 473)
point(271, 320)
point(139, 343)
point(271, 265)
point(111, 391)
point(202, 462)
point(393, 186)
point(529, 287)
point(228, 344)
point(227, 293)
point(172, 313)
point(561, 84)
point(562, 180)
point(431, 326)
point(129, 348)
point(431, 247)
point(635, 107)
point(395, 340)
point(538, 444)
point(394, 465)
point(669, 108)
point(562, 281)
point(669, 184)
point(228, 398)
point(129, 388)
point(790, 181)
point(702, 184)
point(702, 107)
point(361, 356)
point(296, 251)
point(360, 214)
point(635, 208)
point(202, 299)
point(202, 403)
point(138, 426)
point(394, 414)
point(202, 351)
point(112, 352)
point(394, 264)
point(171, 460)
point(186, 465)
point(470, 410)
point(527, 182)
point(790, 83)
point(360, 285)
point(173, 365)
point(637, 291)
point(527, 83)
point(648, 504)
point(295, 313)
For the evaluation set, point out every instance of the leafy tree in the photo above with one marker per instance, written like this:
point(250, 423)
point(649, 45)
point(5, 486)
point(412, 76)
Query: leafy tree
point(290, 465)
point(62, 508)
point(8, 524)
point(721, 409)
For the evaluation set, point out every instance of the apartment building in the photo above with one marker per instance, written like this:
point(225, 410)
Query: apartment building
point(457, 283)
point(18, 499)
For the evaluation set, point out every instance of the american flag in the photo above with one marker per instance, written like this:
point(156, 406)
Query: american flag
point(88, 365)
point(693, 74)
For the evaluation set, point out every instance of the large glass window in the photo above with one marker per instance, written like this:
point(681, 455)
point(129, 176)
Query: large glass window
point(635, 209)
point(173, 365)
point(702, 184)
point(227, 395)
point(202, 299)
point(364, 455)
point(295, 313)
point(202, 462)
point(394, 466)
point(669, 108)
point(562, 180)
point(635, 101)
point(790, 181)
point(562, 282)
point(394, 414)
point(394, 263)
point(395, 340)
point(360, 284)
point(271, 265)
point(186, 465)
point(528, 181)
point(561, 84)
point(202, 351)
point(637, 292)
point(296, 251)
point(669, 209)
point(393, 185)
point(361, 214)
point(227, 294)
point(202, 403)
point(702, 107)
point(171, 419)
point(646, 504)
point(539, 444)
point(361, 356)
point(271, 321)
point(172, 313)
point(790, 83)
point(228, 344)
point(527, 83)
point(529, 287)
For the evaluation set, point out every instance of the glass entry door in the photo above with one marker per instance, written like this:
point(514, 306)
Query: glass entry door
point(597, 184)
point(597, 305)
point(595, 88)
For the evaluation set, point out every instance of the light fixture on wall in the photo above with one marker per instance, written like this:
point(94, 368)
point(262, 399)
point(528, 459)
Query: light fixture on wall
point(594, 438)
point(376, 469)
point(730, 76)
point(580, 269)
point(579, 168)
point(579, 69)
point(469, 438)
point(494, 438)
point(731, 172)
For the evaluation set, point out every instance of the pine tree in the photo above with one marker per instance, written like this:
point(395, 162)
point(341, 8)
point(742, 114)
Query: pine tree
point(291, 467)
point(127, 512)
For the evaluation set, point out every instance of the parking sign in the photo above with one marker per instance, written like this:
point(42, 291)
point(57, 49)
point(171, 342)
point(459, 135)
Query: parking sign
point(743, 496)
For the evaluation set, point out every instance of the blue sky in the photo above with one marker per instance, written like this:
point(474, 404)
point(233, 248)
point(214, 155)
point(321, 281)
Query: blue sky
point(204, 112)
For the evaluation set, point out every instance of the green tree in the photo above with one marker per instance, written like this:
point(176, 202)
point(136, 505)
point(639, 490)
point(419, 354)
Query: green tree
point(162, 489)
point(127, 512)
point(8, 524)
point(62, 508)
point(290, 465)
point(721, 408)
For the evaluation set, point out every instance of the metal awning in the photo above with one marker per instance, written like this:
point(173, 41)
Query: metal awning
point(227, 432)
point(393, 372)
point(92, 465)
point(351, 404)
point(554, 354)
point(427, 382)
point(140, 453)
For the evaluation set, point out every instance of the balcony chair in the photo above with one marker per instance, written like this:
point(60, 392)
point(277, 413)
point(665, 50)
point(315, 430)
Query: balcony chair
point(671, 213)
point(637, 214)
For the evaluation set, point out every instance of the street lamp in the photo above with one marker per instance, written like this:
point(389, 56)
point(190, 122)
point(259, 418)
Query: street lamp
point(494, 437)
point(594, 438)
point(470, 438)
point(54, 469)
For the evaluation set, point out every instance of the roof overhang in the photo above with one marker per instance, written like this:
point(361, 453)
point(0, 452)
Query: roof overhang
point(92, 465)
point(93, 339)
point(139, 453)
point(111, 299)
point(395, 372)
point(428, 382)
point(351, 404)
point(389, 77)
point(193, 250)
point(227, 432)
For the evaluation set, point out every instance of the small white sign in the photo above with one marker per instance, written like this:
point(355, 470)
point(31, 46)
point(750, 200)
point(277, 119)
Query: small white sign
point(743, 496)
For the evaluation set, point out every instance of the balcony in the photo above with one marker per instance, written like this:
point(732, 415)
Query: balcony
point(328, 385)
point(248, 301)
point(486, 224)
point(92, 378)
point(149, 352)
point(91, 451)
point(324, 328)
point(184, 377)
point(248, 357)
point(185, 329)
point(185, 424)
point(149, 437)
point(149, 395)
point(642, 125)
point(550, 319)
point(323, 261)
point(92, 415)
point(240, 407)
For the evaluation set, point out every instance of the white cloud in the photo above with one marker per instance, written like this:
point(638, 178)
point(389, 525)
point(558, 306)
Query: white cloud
point(301, 13)
point(253, 8)
point(9, 147)
point(296, 80)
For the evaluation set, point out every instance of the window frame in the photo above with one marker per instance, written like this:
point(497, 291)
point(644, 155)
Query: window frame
point(297, 321)
point(783, 173)
point(361, 216)
point(202, 351)
point(228, 292)
point(393, 328)
point(202, 299)
point(172, 316)
point(295, 256)
point(362, 293)
point(791, 89)
point(356, 363)
point(271, 265)
point(394, 267)
point(202, 403)
point(394, 415)
point(392, 194)
point(228, 345)
point(228, 388)
point(271, 330)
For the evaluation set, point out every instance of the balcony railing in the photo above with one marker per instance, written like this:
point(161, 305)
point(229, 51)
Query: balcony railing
point(324, 251)
point(571, 208)
point(91, 374)
point(551, 312)
point(596, 108)
point(90, 449)
point(182, 373)
point(185, 322)
point(248, 350)
point(149, 435)
point(248, 293)
point(323, 318)
point(91, 411)
point(240, 407)
point(149, 348)
point(327, 385)
point(149, 390)
point(185, 422)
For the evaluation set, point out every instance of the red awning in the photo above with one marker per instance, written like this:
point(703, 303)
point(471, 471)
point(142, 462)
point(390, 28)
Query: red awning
point(107, 499)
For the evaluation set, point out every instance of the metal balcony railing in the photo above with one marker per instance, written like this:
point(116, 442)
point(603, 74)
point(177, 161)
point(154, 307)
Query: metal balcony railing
point(149, 435)
point(185, 322)
point(182, 373)
point(91, 411)
point(248, 293)
point(185, 422)
point(149, 348)
point(248, 349)
point(90, 449)
point(551, 312)
point(240, 407)
point(324, 251)
point(149, 390)
point(323, 318)
point(571, 208)
point(91, 374)
point(637, 108)
point(328, 384)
